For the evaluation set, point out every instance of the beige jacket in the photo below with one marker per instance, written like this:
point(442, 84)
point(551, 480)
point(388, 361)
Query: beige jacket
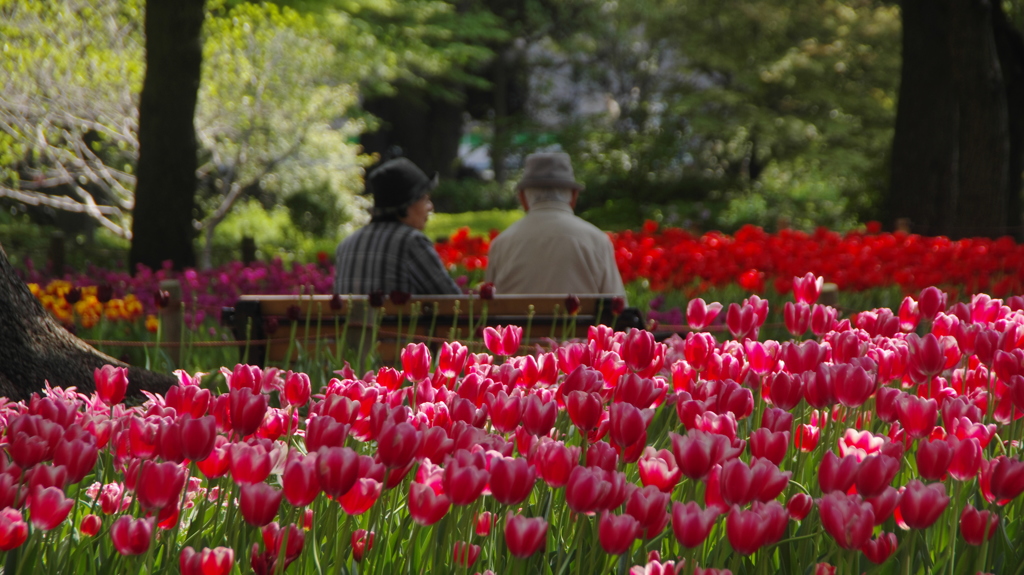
point(552, 251)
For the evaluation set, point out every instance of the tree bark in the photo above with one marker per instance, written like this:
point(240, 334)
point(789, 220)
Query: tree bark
point(1010, 47)
point(923, 184)
point(165, 191)
point(427, 128)
point(984, 138)
point(35, 348)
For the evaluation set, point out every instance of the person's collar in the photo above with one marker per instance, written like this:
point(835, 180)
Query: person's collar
point(552, 205)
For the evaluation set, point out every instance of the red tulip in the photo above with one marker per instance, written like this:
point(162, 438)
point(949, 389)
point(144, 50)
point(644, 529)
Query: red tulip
point(247, 410)
point(655, 566)
point(416, 362)
point(977, 526)
point(512, 480)
point(465, 476)
point(837, 474)
point(586, 490)
point(616, 533)
point(258, 503)
point(649, 506)
point(46, 476)
point(931, 301)
point(746, 529)
point(699, 349)
point(219, 461)
point(641, 352)
point(296, 389)
point(806, 289)
point(626, 424)
point(1006, 477)
point(277, 541)
point(554, 462)
point(188, 399)
point(111, 383)
point(921, 505)
point(786, 390)
point(362, 541)
point(249, 463)
point(698, 451)
point(884, 504)
point(741, 321)
point(426, 507)
point(130, 535)
point(539, 416)
point(853, 385)
point(699, 315)
point(300, 482)
point(691, 524)
point(216, 561)
point(337, 469)
point(13, 529)
point(465, 554)
point(90, 525)
point(777, 420)
point(503, 340)
point(880, 548)
point(397, 444)
point(799, 505)
point(933, 459)
point(197, 436)
point(160, 484)
point(769, 445)
point(524, 536)
point(584, 409)
point(603, 455)
point(824, 569)
point(658, 468)
point(966, 458)
point(452, 359)
point(797, 317)
point(361, 497)
point(875, 474)
point(917, 415)
point(48, 507)
point(506, 412)
point(822, 319)
point(847, 518)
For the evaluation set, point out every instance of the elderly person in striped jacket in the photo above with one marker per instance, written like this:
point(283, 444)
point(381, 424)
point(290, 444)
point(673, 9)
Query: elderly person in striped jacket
point(391, 253)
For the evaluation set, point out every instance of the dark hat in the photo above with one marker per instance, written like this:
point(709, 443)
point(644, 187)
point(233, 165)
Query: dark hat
point(397, 184)
point(548, 170)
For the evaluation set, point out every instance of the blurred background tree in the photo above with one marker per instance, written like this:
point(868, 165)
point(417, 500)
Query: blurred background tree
point(704, 115)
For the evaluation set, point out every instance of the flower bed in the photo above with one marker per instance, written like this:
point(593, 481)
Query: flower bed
point(662, 258)
point(886, 443)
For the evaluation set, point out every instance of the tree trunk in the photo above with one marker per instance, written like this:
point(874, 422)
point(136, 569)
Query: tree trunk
point(1010, 47)
point(35, 348)
point(923, 185)
point(984, 137)
point(164, 194)
point(426, 127)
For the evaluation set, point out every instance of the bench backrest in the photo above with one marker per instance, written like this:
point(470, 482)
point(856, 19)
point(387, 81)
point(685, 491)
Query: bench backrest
point(323, 320)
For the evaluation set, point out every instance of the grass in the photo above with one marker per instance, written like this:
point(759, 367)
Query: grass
point(479, 223)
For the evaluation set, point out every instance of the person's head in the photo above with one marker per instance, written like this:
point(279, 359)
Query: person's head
point(548, 177)
point(401, 193)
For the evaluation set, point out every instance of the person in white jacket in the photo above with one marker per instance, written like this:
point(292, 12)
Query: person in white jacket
point(551, 250)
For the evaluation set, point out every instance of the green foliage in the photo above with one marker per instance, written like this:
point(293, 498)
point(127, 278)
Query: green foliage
point(480, 223)
point(469, 194)
point(274, 117)
point(784, 104)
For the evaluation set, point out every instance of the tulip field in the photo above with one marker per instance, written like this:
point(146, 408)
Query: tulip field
point(885, 442)
point(880, 439)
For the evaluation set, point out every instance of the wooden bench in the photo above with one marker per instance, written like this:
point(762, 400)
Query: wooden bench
point(272, 327)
